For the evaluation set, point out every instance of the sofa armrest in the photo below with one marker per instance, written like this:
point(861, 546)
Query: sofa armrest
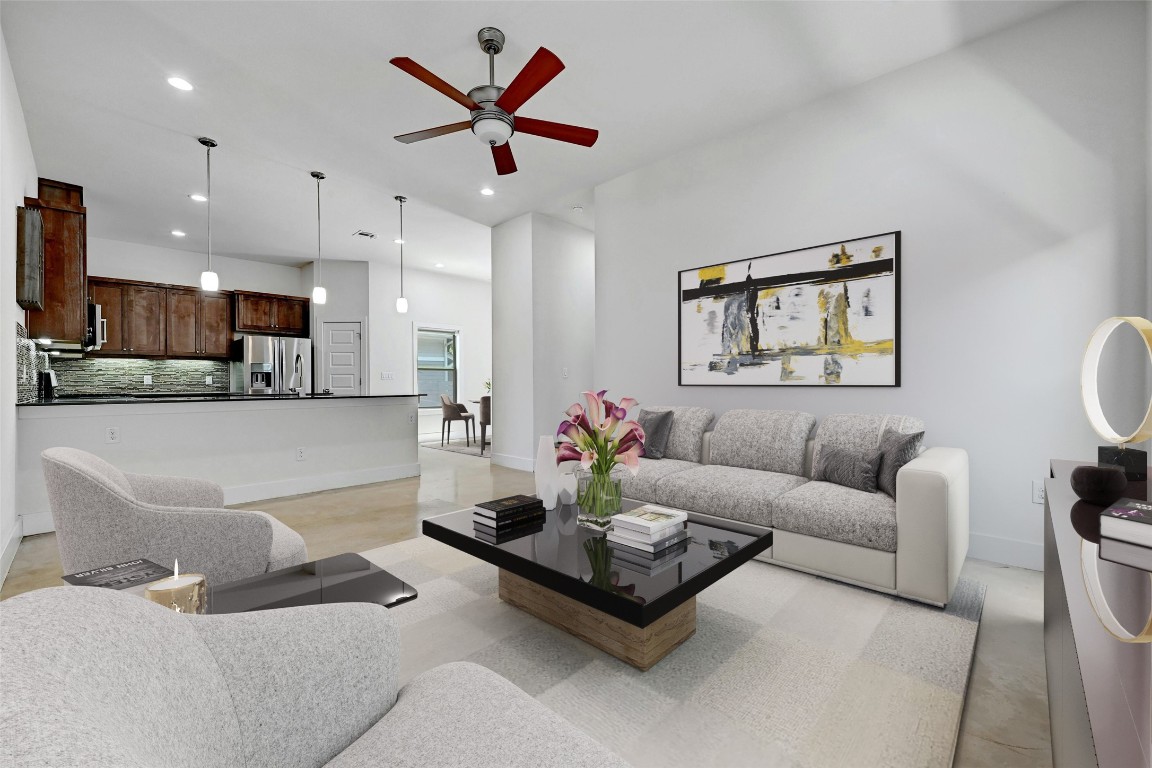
point(176, 491)
point(223, 544)
point(931, 524)
point(305, 682)
point(706, 448)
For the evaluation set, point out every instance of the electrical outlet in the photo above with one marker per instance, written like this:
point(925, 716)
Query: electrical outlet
point(563, 373)
point(387, 376)
point(147, 378)
point(1037, 491)
point(112, 435)
point(300, 454)
point(207, 379)
point(412, 418)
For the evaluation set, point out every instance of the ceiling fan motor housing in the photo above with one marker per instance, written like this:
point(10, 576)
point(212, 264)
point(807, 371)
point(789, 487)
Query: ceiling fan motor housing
point(491, 125)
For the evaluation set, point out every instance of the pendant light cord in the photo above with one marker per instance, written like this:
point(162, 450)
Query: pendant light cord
point(400, 199)
point(319, 257)
point(209, 209)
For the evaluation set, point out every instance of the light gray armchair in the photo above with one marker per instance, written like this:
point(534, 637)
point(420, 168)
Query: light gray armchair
point(105, 516)
point(104, 679)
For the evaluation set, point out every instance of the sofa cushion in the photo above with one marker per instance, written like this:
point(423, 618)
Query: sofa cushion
point(772, 441)
point(732, 492)
point(462, 714)
point(830, 511)
point(686, 438)
point(657, 425)
point(896, 450)
point(643, 485)
point(850, 469)
point(859, 432)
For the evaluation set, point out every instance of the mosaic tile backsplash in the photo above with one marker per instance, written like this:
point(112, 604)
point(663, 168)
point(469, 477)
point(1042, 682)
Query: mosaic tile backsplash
point(104, 376)
point(29, 363)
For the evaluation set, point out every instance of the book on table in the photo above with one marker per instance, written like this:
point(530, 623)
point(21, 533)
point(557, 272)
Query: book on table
point(644, 546)
point(490, 536)
point(120, 575)
point(1126, 553)
point(509, 521)
point(510, 504)
point(649, 518)
point(1128, 520)
point(648, 538)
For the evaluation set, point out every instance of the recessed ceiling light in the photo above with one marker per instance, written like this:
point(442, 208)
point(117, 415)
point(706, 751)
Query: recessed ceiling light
point(177, 233)
point(179, 82)
point(487, 191)
point(398, 241)
point(198, 198)
point(439, 266)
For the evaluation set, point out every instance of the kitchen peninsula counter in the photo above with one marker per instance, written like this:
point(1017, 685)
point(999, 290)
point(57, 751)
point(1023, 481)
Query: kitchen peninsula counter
point(250, 444)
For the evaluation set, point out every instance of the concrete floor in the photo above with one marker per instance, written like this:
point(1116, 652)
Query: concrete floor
point(1005, 721)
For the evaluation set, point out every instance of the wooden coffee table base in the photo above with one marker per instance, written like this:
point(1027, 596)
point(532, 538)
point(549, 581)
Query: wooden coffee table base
point(640, 647)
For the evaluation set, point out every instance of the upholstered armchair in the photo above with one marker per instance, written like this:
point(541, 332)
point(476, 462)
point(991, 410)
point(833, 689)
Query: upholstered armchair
point(103, 679)
point(452, 411)
point(105, 516)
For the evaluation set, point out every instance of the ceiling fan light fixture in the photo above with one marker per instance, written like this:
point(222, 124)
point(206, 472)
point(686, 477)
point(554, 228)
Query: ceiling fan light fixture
point(492, 129)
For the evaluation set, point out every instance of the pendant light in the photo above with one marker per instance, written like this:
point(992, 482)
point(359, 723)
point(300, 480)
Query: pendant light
point(319, 295)
point(209, 280)
point(401, 303)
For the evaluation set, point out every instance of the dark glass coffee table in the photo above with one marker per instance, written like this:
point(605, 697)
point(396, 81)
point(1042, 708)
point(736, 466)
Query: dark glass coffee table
point(573, 578)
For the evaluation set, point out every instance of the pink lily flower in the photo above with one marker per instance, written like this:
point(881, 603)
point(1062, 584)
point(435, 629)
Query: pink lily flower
point(595, 402)
point(567, 452)
point(630, 459)
point(586, 459)
point(628, 403)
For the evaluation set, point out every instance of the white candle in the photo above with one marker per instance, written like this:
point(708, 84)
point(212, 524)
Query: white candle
point(183, 594)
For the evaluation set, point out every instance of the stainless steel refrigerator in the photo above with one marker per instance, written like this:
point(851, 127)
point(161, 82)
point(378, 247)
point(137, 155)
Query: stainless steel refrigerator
point(273, 365)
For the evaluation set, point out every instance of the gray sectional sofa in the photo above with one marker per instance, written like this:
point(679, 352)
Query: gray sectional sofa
point(756, 467)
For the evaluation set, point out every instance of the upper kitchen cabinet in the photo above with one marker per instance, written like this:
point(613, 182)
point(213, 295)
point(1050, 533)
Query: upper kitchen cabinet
point(134, 317)
point(268, 313)
point(199, 323)
point(64, 317)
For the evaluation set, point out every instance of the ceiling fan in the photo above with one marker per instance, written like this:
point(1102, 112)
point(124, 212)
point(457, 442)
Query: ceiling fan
point(493, 107)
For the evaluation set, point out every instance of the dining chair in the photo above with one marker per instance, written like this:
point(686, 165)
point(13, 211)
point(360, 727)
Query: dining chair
point(485, 420)
point(451, 412)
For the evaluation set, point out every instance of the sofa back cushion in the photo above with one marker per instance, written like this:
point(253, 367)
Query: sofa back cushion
point(686, 438)
point(99, 678)
point(859, 432)
point(772, 441)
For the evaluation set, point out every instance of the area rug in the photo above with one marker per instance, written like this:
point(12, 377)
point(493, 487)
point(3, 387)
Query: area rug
point(467, 450)
point(785, 669)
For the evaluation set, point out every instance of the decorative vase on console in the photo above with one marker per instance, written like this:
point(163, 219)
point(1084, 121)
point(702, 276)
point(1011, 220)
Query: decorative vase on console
point(546, 475)
point(600, 438)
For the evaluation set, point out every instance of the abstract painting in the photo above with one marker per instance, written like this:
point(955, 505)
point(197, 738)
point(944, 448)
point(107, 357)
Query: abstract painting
point(822, 316)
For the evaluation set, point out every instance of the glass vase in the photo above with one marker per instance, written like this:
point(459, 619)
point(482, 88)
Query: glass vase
point(598, 497)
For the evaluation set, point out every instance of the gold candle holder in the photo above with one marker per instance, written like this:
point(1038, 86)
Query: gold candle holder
point(187, 593)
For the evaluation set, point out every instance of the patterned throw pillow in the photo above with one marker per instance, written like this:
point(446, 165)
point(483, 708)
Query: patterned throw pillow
point(657, 426)
point(848, 468)
point(896, 450)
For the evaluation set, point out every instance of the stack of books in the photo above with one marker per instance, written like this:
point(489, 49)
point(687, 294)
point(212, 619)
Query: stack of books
point(503, 520)
point(1126, 533)
point(648, 539)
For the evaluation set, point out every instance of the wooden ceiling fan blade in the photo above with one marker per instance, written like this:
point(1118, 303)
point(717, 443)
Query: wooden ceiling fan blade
point(573, 134)
point(537, 73)
point(431, 133)
point(426, 77)
point(505, 163)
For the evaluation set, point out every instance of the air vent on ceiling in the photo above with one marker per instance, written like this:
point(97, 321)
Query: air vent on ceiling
point(364, 233)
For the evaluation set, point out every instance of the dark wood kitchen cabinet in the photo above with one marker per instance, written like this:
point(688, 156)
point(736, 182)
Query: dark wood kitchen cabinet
point(199, 323)
point(133, 315)
point(270, 313)
point(65, 313)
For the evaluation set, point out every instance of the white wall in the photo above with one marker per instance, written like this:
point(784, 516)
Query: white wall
point(513, 432)
point(1015, 168)
point(347, 302)
point(17, 180)
point(435, 300)
point(132, 261)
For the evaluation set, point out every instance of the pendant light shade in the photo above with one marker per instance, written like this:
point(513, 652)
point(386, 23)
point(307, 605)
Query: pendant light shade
point(319, 295)
point(209, 280)
point(401, 303)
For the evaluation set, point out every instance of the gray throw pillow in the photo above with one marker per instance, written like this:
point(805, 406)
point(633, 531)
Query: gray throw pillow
point(657, 426)
point(896, 450)
point(849, 468)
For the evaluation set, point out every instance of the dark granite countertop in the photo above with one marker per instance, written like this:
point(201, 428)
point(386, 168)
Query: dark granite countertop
point(191, 397)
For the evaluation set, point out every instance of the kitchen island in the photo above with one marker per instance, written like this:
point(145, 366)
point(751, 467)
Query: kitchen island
point(255, 446)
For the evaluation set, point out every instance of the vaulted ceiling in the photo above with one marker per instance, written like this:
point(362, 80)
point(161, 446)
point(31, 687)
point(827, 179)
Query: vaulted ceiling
point(291, 87)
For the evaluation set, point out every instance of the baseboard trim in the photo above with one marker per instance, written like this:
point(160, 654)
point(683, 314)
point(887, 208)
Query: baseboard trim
point(8, 554)
point(997, 549)
point(512, 462)
point(40, 522)
point(274, 489)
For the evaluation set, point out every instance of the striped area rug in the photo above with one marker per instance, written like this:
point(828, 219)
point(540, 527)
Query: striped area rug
point(785, 669)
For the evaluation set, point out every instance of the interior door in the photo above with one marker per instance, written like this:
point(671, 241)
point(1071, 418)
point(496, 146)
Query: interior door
point(342, 359)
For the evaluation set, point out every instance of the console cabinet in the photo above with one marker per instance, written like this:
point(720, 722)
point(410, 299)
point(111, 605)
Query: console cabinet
point(65, 313)
point(269, 313)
